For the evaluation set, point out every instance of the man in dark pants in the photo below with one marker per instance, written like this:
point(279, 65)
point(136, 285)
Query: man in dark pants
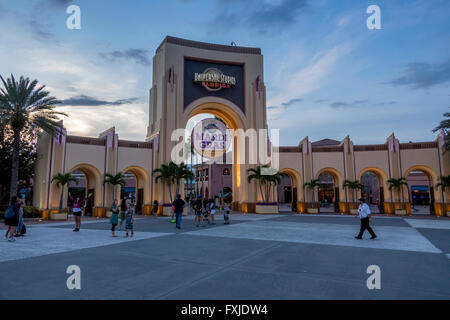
point(178, 205)
point(364, 215)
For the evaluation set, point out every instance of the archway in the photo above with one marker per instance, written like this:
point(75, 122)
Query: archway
point(420, 192)
point(330, 193)
point(90, 182)
point(289, 192)
point(137, 186)
point(233, 118)
point(375, 188)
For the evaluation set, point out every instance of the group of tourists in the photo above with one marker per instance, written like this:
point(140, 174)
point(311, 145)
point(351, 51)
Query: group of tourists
point(124, 214)
point(14, 219)
point(206, 209)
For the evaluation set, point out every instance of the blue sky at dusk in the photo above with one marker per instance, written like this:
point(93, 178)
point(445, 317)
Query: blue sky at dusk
point(327, 75)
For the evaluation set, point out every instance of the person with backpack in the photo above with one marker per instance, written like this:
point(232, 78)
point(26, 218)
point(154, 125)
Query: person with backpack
point(12, 218)
point(77, 210)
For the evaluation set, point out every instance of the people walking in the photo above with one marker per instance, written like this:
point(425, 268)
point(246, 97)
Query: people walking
point(178, 205)
point(212, 209)
point(12, 218)
point(77, 210)
point(226, 213)
point(123, 211)
point(198, 212)
point(20, 226)
point(129, 219)
point(155, 207)
point(114, 219)
point(364, 215)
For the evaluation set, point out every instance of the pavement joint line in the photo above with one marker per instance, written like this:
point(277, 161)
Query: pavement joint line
point(68, 223)
point(230, 265)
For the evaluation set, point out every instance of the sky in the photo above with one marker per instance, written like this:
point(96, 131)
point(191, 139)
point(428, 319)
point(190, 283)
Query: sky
point(327, 75)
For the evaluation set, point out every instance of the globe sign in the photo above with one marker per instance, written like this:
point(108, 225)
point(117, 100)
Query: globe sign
point(210, 139)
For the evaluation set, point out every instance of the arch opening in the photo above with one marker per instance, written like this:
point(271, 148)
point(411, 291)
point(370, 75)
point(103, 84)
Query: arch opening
point(88, 182)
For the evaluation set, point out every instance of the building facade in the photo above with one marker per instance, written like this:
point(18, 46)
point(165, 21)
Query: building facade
point(190, 78)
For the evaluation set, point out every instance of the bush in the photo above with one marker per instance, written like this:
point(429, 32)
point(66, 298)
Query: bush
point(30, 212)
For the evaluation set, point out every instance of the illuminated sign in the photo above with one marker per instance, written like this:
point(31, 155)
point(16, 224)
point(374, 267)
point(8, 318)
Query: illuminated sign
point(210, 138)
point(214, 80)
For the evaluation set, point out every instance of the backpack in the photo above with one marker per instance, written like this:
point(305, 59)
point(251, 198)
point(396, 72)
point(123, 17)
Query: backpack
point(9, 212)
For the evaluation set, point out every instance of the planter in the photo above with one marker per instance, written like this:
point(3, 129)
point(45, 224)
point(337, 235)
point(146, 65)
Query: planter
point(354, 211)
point(401, 212)
point(267, 208)
point(312, 210)
point(58, 216)
point(167, 209)
point(108, 214)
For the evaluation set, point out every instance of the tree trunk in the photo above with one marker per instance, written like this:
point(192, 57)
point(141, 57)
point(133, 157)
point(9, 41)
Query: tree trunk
point(15, 165)
point(170, 193)
point(261, 190)
point(313, 199)
point(61, 199)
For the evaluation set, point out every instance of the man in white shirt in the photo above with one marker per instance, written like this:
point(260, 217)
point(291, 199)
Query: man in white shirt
point(364, 215)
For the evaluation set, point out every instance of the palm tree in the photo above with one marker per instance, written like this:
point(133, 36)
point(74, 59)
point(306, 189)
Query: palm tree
point(273, 180)
point(445, 125)
point(181, 172)
point(314, 183)
point(255, 174)
point(444, 182)
point(23, 105)
point(397, 184)
point(166, 173)
point(61, 180)
point(353, 185)
point(114, 180)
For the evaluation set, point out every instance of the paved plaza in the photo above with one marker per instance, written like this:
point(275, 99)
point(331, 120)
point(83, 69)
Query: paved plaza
point(284, 256)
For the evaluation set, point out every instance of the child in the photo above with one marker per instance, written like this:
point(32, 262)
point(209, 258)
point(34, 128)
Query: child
point(226, 213)
point(114, 217)
point(129, 220)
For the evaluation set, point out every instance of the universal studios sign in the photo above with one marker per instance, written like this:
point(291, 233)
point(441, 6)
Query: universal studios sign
point(210, 138)
point(214, 80)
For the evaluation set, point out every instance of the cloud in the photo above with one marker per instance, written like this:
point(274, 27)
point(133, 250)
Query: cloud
point(262, 15)
point(321, 100)
point(291, 102)
point(87, 101)
point(309, 78)
point(421, 75)
point(340, 104)
point(40, 30)
point(139, 56)
point(60, 3)
point(386, 103)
